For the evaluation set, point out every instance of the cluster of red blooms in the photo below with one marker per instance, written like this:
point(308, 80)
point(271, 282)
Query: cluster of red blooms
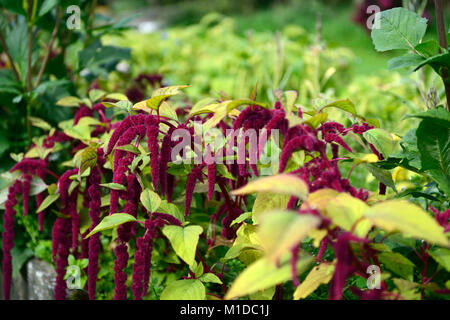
point(320, 172)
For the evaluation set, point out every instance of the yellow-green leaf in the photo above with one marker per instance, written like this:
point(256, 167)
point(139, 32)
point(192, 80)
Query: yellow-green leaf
point(397, 215)
point(183, 240)
point(345, 210)
point(281, 230)
point(267, 201)
point(112, 221)
point(187, 289)
point(281, 183)
point(69, 102)
point(263, 274)
point(150, 200)
point(47, 202)
point(320, 274)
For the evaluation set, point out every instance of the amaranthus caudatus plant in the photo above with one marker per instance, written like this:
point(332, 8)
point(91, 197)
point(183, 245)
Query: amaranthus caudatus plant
point(170, 190)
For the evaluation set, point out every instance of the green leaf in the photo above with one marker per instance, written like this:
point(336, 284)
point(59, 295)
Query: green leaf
point(320, 274)
point(397, 264)
point(345, 105)
point(385, 176)
point(280, 183)
point(439, 116)
point(437, 61)
point(183, 240)
point(189, 289)
point(264, 274)
point(397, 215)
point(282, 230)
point(428, 48)
point(382, 140)
point(150, 200)
point(88, 159)
point(47, 6)
point(37, 185)
point(433, 142)
point(406, 61)
point(112, 221)
point(399, 29)
point(441, 256)
point(47, 202)
point(210, 277)
point(316, 120)
point(114, 186)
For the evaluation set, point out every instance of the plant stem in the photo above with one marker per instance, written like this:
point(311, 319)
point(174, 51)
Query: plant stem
point(30, 43)
point(443, 43)
point(49, 49)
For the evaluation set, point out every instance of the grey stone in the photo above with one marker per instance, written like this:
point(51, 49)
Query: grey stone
point(41, 278)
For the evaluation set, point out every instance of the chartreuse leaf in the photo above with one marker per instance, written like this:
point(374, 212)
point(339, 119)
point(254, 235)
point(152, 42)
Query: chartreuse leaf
point(267, 201)
point(39, 123)
point(150, 200)
point(320, 198)
point(158, 97)
point(183, 240)
point(316, 120)
point(441, 256)
point(347, 212)
point(114, 186)
point(398, 264)
point(365, 158)
point(264, 274)
point(221, 110)
point(47, 202)
point(397, 215)
point(96, 94)
point(281, 183)
point(172, 209)
point(69, 102)
point(112, 221)
point(320, 274)
point(241, 218)
point(210, 277)
point(280, 230)
point(345, 105)
point(188, 289)
point(399, 29)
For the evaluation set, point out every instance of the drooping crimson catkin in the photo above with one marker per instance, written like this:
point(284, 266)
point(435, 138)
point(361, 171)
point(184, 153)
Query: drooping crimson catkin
point(170, 186)
point(120, 277)
point(8, 236)
point(153, 147)
point(94, 240)
point(62, 253)
point(26, 192)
